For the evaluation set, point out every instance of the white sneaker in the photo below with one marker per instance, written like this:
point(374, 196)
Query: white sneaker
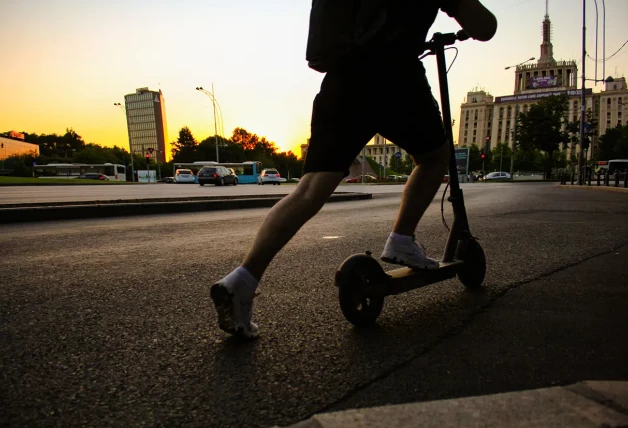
point(407, 253)
point(234, 306)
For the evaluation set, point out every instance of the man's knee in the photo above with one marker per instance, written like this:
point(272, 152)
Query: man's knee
point(436, 156)
point(315, 188)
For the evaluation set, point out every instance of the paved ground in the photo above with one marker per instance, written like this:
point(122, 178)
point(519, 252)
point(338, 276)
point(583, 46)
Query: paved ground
point(22, 194)
point(107, 322)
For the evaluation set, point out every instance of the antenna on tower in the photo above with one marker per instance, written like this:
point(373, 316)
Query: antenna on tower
point(546, 8)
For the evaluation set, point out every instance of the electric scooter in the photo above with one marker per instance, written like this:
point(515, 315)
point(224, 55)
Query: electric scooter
point(362, 282)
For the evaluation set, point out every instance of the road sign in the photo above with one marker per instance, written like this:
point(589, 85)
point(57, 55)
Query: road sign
point(397, 155)
point(34, 163)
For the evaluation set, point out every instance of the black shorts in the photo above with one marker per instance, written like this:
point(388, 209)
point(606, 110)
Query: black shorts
point(391, 97)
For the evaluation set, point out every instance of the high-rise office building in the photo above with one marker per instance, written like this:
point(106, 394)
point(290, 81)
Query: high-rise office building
point(146, 122)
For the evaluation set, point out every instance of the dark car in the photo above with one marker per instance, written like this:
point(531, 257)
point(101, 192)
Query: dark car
point(218, 175)
point(93, 176)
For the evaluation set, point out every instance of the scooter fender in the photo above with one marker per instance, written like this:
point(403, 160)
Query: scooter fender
point(364, 263)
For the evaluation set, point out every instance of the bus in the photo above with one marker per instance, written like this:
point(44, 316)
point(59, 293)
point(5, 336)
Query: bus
point(247, 172)
point(601, 167)
point(617, 165)
point(114, 172)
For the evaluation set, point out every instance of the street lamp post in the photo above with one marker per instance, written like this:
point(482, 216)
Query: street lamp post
point(129, 133)
point(582, 96)
point(213, 100)
point(521, 63)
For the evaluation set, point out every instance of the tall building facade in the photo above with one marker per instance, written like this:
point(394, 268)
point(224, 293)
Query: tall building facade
point(146, 123)
point(489, 120)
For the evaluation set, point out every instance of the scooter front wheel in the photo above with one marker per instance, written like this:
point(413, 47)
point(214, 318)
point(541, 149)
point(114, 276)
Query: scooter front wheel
point(473, 270)
point(354, 278)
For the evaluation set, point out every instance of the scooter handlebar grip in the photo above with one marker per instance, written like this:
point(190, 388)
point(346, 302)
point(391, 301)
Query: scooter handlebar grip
point(462, 35)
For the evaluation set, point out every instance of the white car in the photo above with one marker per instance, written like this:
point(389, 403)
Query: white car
point(269, 175)
point(497, 176)
point(184, 176)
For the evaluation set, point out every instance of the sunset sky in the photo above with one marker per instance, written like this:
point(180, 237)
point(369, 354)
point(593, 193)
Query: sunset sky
point(64, 63)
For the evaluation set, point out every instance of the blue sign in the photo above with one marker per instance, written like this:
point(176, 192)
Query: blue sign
point(397, 155)
point(587, 127)
point(34, 163)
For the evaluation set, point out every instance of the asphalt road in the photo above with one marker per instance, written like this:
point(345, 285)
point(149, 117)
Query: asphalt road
point(108, 322)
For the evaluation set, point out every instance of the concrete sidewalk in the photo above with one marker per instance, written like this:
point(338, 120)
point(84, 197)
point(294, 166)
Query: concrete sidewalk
point(19, 213)
point(584, 404)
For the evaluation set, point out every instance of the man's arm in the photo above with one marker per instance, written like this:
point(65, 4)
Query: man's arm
point(476, 20)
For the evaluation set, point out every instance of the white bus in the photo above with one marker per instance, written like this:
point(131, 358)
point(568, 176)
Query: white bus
point(114, 172)
point(616, 165)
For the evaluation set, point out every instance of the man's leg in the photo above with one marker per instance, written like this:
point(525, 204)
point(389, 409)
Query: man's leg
point(286, 218)
point(233, 295)
point(420, 189)
point(419, 192)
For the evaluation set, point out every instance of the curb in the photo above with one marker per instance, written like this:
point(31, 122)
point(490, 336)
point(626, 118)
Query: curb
point(584, 404)
point(599, 188)
point(98, 209)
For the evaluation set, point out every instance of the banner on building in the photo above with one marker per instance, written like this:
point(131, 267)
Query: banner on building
point(543, 82)
point(538, 95)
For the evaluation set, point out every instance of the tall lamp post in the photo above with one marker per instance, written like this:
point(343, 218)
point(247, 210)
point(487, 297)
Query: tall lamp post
point(214, 102)
point(130, 148)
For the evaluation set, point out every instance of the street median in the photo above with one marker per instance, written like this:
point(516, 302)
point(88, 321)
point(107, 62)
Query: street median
point(19, 213)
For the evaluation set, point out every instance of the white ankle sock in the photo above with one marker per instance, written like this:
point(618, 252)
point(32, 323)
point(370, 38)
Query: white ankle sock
point(242, 276)
point(400, 238)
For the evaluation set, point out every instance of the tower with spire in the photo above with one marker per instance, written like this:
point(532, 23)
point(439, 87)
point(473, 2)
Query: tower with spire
point(547, 50)
point(547, 74)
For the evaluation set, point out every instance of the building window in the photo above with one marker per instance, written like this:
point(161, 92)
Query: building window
point(619, 101)
point(608, 101)
point(475, 133)
point(475, 125)
point(473, 140)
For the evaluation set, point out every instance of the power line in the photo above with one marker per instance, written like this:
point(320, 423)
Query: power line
point(616, 52)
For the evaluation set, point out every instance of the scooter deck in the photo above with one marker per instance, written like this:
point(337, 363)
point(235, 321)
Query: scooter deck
point(405, 279)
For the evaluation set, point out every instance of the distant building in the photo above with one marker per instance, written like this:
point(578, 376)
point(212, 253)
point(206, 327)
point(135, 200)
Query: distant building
point(14, 144)
point(146, 123)
point(489, 120)
point(378, 149)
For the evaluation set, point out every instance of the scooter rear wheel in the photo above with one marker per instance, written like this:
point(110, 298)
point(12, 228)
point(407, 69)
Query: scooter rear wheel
point(473, 270)
point(358, 307)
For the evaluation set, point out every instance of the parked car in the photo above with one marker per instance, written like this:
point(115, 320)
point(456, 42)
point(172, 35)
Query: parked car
point(93, 176)
point(184, 176)
point(269, 175)
point(497, 176)
point(218, 175)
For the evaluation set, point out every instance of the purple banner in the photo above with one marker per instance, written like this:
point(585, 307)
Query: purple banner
point(537, 95)
point(542, 82)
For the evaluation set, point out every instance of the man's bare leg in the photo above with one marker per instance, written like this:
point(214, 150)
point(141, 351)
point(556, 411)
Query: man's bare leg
point(285, 219)
point(419, 192)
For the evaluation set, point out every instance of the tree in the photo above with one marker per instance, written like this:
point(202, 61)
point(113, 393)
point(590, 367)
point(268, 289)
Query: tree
point(184, 149)
point(614, 144)
point(543, 127)
point(244, 138)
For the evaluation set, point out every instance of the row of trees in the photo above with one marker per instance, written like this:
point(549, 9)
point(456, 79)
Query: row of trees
point(242, 146)
point(71, 148)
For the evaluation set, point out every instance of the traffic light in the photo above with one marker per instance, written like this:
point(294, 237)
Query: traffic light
point(585, 144)
point(147, 158)
point(482, 154)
